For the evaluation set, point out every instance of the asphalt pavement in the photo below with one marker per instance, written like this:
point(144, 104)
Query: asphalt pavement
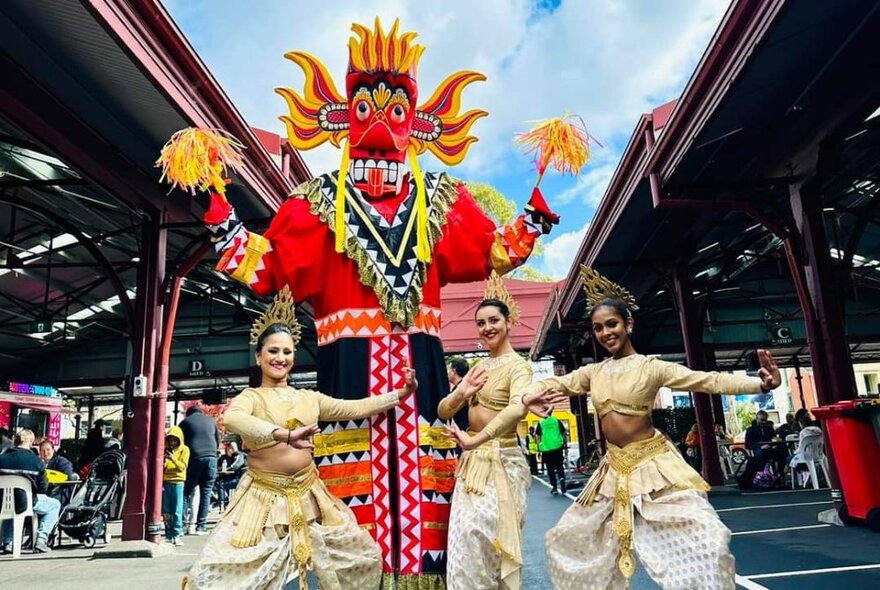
point(777, 541)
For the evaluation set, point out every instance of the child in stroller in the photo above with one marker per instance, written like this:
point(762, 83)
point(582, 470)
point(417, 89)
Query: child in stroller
point(85, 517)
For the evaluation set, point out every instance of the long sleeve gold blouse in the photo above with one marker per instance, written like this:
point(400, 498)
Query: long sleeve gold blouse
point(508, 377)
point(257, 412)
point(629, 385)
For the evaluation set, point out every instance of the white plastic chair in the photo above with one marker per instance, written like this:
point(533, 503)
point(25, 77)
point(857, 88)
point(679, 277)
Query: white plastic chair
point(726, 458)
point(810, 452)
point(8, 485)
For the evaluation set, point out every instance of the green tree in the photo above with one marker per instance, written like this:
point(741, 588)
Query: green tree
point(502, 211)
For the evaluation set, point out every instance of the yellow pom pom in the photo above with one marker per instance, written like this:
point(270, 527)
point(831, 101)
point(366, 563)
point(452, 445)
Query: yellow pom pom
point(196, 158)
point(561, 143)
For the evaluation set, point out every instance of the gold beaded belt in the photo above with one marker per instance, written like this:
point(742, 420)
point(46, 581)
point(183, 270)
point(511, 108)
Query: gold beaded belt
point(265, 489)
point(624, 461)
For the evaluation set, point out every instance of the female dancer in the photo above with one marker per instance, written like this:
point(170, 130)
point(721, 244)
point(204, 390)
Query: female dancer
point(488, 505)
point(643, 497)
point(281, 511)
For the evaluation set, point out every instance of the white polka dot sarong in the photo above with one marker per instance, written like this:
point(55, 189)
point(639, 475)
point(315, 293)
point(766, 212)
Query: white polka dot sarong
point(341, 555)
point(475, 555)
point(675, 532)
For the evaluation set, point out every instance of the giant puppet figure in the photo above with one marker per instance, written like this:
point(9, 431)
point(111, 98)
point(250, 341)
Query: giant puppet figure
point(369, 246)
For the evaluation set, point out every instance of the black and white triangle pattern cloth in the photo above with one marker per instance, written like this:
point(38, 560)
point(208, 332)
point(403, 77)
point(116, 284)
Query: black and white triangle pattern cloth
point(400, 277)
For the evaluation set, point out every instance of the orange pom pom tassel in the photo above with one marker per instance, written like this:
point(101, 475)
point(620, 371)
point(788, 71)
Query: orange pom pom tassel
point(196, 158)
point(561, 143)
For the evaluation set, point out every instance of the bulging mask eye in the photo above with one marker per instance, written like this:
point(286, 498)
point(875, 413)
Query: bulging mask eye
point(398, 113)
point(362, 111)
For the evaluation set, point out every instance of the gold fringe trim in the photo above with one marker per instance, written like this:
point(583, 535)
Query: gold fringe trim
point(413, 582)
point(402, 312)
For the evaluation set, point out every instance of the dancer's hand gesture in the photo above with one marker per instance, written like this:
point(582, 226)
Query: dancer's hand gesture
point(769, 371)
point(541, 402)
point(473, 382)
point(298, 438)
point(461, 438)
point(410, 383)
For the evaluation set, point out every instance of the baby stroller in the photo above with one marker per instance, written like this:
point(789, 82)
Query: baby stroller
point(85, 517)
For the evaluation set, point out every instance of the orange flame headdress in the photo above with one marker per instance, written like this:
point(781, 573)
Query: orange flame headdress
point(381, 83)
point(321, 112)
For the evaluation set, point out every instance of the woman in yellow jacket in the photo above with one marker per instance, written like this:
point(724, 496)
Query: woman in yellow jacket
point(173, 478)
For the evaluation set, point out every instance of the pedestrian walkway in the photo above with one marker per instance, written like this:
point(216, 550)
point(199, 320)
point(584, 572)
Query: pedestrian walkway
point(777, 542)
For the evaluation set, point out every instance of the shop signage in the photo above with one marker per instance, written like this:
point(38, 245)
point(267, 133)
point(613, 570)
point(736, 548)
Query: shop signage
point(27, 388)
point(780, 335)
point(197, 368)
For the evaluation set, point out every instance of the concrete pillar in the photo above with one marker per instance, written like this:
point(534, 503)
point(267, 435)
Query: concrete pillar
point(691, 332)
point(148, 317)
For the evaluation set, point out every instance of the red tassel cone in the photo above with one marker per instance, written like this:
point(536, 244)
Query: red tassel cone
point(540, 211)
point(218, 211)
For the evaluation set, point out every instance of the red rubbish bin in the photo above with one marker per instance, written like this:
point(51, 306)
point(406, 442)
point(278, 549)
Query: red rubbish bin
point(856, 450)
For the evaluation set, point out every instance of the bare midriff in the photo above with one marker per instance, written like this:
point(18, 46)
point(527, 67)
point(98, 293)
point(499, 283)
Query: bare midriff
point(623, 429)
point(479, 417)
point(280, 458)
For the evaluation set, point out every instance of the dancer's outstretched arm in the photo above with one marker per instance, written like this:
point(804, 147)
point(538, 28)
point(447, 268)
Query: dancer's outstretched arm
point(337, 409)
point(681, 378)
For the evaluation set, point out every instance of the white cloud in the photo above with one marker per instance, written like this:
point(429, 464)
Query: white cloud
point(560, 251)
point(590, 186)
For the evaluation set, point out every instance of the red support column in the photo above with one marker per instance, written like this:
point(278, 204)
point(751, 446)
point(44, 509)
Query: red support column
point(144, 339)
point(829, 351)
point(691, 333)
point(839, 379)
point(160, 401)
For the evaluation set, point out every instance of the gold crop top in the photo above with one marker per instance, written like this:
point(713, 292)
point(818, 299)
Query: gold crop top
point(257, 412)
point(508, 377)
point(629, 385)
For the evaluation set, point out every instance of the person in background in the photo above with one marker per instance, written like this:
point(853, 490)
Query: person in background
point(790, 427)
point(721, 432)
point(803, 419)
point(230, 467)
point(531, 450)
point(201, 435)
point(115, 440)
point(692, 447)
point(5, 440)
point(759, 439)
point(456, 369)
point(552, 442)
point(176, 460)
point(93, 446)
point(53, 460)
point(21, 460)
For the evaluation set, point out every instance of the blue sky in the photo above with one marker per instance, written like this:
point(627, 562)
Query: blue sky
point(605, 60)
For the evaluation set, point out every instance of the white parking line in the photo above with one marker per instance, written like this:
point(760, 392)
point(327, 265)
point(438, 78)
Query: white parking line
point(826, 570)
point(798, 491)
point(788, 528)
point(748, 584)
point(826, 502)
point(549, 487)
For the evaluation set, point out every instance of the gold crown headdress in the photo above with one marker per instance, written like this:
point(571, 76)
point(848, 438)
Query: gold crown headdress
point(282, 311)
point(599, 288)
point(495, 289)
